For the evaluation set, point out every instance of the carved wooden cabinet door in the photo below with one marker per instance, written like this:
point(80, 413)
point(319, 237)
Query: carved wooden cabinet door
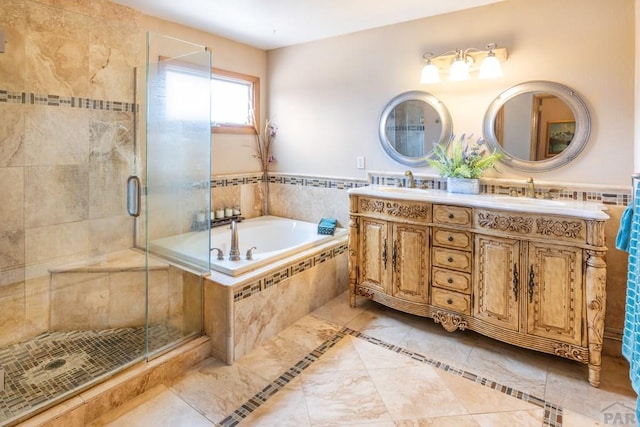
point(410, 262)
point(497, 281)
point(375, 254)
point(554, 292)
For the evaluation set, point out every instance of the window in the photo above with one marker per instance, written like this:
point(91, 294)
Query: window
point(235, 102)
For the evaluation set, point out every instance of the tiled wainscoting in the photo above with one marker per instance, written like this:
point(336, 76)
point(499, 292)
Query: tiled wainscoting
point(310, 198)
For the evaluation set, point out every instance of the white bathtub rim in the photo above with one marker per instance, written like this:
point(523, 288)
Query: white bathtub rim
point(260, 272)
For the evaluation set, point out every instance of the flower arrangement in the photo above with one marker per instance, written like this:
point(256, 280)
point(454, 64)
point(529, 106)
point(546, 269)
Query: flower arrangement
point(263, 145)
point(464, 158)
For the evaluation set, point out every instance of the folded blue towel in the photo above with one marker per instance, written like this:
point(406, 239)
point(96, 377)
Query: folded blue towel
point(624, 231)
point(327, 226)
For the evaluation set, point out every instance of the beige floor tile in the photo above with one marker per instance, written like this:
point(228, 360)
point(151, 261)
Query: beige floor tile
point(341, 357)
point(341, 397)
point(216, 389)
point(377, 357)
point(457, 421)
point(273, 358)
point(338, 310)
point(415, 392)
point(310, 331)
point(164, 409)
point(531, 418)
point(381, 325)
point(574, 419)
point(433, 341)
point(478, 398)
point(286, 408)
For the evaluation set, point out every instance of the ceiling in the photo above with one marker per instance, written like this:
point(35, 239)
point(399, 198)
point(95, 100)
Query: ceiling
point(269, 24)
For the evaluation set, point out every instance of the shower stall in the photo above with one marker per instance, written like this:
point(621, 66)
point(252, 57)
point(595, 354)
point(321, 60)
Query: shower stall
point(81, 297)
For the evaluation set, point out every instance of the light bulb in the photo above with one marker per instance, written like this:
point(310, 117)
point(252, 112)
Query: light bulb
point(459, 70)
point(490, 67)
point(430, 74)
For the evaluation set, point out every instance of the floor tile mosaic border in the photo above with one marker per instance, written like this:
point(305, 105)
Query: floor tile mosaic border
point(288, 272)
point(552, 412)
point(64, 101)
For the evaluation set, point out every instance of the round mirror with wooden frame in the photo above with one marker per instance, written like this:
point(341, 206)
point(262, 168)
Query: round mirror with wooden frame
point(537, 125)
point(410, 124)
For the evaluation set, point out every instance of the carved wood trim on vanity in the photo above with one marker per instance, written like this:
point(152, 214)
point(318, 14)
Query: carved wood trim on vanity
point(465, 244)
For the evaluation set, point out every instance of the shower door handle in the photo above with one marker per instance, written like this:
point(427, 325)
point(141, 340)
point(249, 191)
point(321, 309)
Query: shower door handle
point(133, 196)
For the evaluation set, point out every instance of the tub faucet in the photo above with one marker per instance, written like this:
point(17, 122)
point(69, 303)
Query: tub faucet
point(412, 182)
point(531, 189)
point(234, 252)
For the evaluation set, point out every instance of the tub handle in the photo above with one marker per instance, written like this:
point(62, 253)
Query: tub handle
point(220, 255)
point(250, 253)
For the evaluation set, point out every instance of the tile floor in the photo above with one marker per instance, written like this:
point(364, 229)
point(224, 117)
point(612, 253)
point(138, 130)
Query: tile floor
point(373, 366)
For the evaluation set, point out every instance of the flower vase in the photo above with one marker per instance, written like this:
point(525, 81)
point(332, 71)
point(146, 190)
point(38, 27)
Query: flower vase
point(463, 185)
point(265, 193)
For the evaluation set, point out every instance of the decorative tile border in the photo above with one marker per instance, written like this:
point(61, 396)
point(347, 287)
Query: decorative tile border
point(552, 412)
point(64, 101)
point(288, 272)
point(618, 196)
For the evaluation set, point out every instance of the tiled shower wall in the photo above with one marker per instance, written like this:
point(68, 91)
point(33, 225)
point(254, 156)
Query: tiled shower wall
point(66, 100)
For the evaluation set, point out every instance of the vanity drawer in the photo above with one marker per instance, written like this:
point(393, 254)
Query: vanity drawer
point(454, 280)
point(451, 238)
point(392, 209)
point(444, 214)
point(450, 300)
point(450, 258)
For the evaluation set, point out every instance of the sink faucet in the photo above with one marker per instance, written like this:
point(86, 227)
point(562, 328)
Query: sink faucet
point(234, 252)
point(412, 182)
point(531, 189)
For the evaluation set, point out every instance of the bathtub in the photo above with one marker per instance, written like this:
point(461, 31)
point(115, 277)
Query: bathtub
point(273, 237)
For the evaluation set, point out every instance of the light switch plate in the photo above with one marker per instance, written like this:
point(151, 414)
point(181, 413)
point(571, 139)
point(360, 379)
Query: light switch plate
point(360, 162)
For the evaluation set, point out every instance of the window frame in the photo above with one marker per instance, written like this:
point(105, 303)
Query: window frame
point(255, 88)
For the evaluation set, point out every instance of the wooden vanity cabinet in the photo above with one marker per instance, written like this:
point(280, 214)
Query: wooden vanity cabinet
point(394, 251)
point(531, 279)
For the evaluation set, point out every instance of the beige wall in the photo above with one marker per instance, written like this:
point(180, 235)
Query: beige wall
point(326, 96)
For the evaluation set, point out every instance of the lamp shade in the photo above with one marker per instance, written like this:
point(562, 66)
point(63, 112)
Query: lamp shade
point(459, 70)
point(490, 67)
point(430, 74)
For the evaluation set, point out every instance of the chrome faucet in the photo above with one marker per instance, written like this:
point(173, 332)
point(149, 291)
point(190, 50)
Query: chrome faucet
point(531, 189)
point(234, 252)
point(412, 182)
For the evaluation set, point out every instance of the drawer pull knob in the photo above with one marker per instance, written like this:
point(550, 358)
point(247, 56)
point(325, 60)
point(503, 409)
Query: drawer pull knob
point(449, 280)
point(450, 259)
point(451, 216)
point(449, 301)
point(450, 238)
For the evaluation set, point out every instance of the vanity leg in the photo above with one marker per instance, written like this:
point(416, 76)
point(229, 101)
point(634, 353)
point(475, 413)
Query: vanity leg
point(596, 280)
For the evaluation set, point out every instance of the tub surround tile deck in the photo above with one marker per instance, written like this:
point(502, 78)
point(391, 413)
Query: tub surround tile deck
point(337, 367)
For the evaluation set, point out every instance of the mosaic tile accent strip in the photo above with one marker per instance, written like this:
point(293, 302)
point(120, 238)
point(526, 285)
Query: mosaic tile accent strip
point(247, 290)
point(552, 412)
point(279, 383)
point(51, 365)
point(291, 270)
point(65, 101)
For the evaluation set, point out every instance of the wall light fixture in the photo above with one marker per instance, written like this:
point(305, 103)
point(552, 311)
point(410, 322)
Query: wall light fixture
point(460, 62)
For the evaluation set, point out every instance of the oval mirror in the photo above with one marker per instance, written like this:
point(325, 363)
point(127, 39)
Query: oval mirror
point(537, 125)
point(410, 124)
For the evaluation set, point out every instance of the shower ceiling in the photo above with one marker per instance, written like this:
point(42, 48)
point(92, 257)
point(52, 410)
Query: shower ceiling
point(278, 23)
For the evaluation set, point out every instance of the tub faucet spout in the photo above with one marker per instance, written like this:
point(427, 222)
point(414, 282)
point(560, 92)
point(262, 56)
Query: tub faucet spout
point(234, 252)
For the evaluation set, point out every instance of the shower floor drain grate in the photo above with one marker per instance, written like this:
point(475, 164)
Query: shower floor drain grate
point(55, 364)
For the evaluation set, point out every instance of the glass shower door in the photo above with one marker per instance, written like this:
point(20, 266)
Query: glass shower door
point(177, 199)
